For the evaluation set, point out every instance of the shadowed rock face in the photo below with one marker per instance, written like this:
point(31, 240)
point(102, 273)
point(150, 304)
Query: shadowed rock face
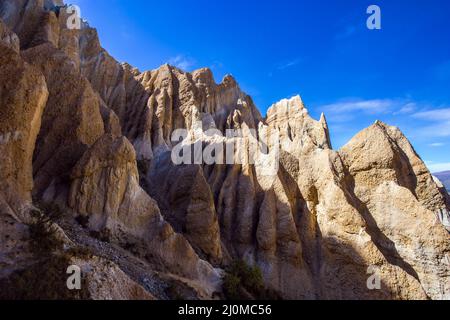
point(23, 96)
point(95, 139)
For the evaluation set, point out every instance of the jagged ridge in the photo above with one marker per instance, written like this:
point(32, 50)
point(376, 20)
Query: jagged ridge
point(314, 229)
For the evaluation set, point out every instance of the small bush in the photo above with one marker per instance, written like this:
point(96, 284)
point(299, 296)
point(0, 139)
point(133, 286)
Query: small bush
point(232, 287)
point(241, 280)
point(251, 277)
point(52, 211)
point(43, 235)
point(45, 280)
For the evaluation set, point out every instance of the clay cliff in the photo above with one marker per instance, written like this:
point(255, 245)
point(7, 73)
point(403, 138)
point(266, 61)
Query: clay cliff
point(87, 161)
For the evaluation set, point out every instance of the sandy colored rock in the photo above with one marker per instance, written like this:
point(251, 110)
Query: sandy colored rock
point(23, 96)
point(186, 201)
point(401, 198)
point(105, 188)
point(106, 281)
point(318, 227)
point(298, 131)
point(71, 122)
point(9, 38)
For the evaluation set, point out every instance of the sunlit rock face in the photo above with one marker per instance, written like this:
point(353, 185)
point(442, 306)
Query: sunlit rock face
point(23, 98)
point(93, 136)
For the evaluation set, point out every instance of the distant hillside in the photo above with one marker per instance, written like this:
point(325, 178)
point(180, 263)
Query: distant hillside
point(445, 178)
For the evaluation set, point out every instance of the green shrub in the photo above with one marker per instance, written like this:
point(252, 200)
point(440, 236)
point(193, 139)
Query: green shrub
point(242, 280)
point(43, 235)
point(45, 280)
point(46, 277)
point(232, 287)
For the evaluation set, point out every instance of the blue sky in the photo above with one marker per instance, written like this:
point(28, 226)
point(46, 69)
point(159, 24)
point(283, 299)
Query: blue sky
point(319, 49)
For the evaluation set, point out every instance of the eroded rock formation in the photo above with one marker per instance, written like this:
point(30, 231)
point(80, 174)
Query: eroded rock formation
point(94, 137)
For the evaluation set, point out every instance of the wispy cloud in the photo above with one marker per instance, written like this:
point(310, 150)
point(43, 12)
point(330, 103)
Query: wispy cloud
point(437, 167)
point(288, 64)
point(434, 115)
point(439, 126)
point(376, 106)
point(436, 144)
point(435, 130)
point(407, 109)
point(427, 124)
point(182, 62)
point(347, 110)
point(281, 66)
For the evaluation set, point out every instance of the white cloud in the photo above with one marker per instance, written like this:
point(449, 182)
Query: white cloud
point(434, 115)
point(438, 167)
point(287, 65)
point(407, 108)
point(437, 145)
point(436, 130)
point(439, 122)
point(368, 106)
point(438, 119)
point(284, 65)
point(182, 62)
point(347, 109)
